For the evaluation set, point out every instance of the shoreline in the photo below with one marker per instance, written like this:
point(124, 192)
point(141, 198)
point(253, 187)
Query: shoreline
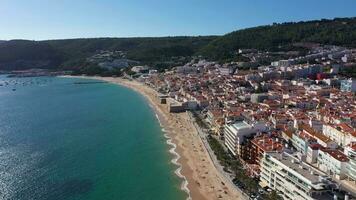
point(200, 178)
point(176, 157)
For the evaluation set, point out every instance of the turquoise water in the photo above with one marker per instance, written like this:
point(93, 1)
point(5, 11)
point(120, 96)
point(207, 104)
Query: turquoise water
point(60, 140)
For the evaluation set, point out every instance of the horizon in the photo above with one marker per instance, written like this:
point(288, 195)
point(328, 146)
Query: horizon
point(50, 20)
point(168, 36)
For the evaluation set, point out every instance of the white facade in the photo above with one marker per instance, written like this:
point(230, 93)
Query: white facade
point(235, 134)
point(140, 69)
point(301, 144)
point(312, 154)
point(293, 178)
point(226, 71)
point(350, 152)
point(338, 136)
point(333, 163)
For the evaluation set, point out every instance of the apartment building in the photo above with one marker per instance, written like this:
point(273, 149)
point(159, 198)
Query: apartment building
point(333, 162)
point(292, 178)
point(236, 133)
point(341, 133)
point(350, 152)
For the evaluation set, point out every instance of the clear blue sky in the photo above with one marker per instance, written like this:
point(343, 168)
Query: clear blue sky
point(56, 19)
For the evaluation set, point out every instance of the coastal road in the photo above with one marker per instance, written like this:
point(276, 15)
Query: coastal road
point(212, 156)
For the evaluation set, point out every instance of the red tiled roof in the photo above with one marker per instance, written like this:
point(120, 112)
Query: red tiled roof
point(338, 155)
point(313, 133)
point(267, 144)
point(315, 146)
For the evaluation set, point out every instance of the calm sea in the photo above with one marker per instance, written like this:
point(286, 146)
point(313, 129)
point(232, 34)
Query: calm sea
point(68, 141)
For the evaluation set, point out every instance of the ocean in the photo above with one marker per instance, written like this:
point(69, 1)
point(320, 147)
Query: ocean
point(69, 141)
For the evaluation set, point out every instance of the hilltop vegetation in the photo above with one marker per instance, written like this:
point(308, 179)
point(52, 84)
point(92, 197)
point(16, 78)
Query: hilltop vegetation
point(24, 54)
point(340, 31)
point(159, 52)
point(72, 53)
point(142, 49)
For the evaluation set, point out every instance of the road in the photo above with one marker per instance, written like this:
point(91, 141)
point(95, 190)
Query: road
point(217, 165)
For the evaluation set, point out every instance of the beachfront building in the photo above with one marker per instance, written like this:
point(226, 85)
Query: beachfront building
point(264, 144)
point(256, 149)
point(292, 178)
point(175, 106)
point(236, 133)
point(350, 152)
point(215, 117)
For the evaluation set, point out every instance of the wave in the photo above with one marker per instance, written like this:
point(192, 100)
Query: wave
point(184, 185)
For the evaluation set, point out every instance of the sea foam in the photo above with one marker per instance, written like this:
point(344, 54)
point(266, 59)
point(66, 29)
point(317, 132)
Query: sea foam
point(184, 185)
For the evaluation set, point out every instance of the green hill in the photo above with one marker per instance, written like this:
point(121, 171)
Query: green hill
point(71, 53)
point(24, 54)
point(159, 52)
point(339, 31)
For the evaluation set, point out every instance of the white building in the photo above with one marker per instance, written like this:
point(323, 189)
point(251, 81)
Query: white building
point(333, 162)
point(226, 70)
point(301, 143)
point(186, 69)
point(140, 69)
point(235, 134)
point(350, 152)
point(292, 178)
point(281, 63)
point(342, 134)
point(323, 140)
point(312, 153)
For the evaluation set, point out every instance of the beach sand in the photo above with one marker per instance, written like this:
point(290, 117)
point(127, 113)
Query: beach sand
point(204, 180)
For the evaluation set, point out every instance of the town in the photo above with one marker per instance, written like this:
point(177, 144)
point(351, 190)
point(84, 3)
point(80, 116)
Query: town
point(290, 124)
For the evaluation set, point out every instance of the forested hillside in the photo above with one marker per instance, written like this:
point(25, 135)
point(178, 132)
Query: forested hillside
point(158, 52)
point(340, 31)
point(71, 53)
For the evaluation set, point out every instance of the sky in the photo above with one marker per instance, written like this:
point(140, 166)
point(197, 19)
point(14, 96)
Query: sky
point(62, 19)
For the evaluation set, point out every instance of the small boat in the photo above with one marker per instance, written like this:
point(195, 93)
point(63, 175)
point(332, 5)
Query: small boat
point(13, 89)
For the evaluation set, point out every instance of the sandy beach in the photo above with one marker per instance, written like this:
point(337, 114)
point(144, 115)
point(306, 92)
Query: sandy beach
point(204, 180)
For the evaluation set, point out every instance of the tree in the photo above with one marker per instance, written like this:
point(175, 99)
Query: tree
point(272, 196)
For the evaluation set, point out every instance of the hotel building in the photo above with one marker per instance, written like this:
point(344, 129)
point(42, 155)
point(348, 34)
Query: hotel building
point(292, 178)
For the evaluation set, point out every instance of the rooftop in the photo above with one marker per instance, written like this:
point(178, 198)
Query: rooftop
point(241, 125)
point(313, 133)
point(300, 169)
point(267, 143)
point(338, 155)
